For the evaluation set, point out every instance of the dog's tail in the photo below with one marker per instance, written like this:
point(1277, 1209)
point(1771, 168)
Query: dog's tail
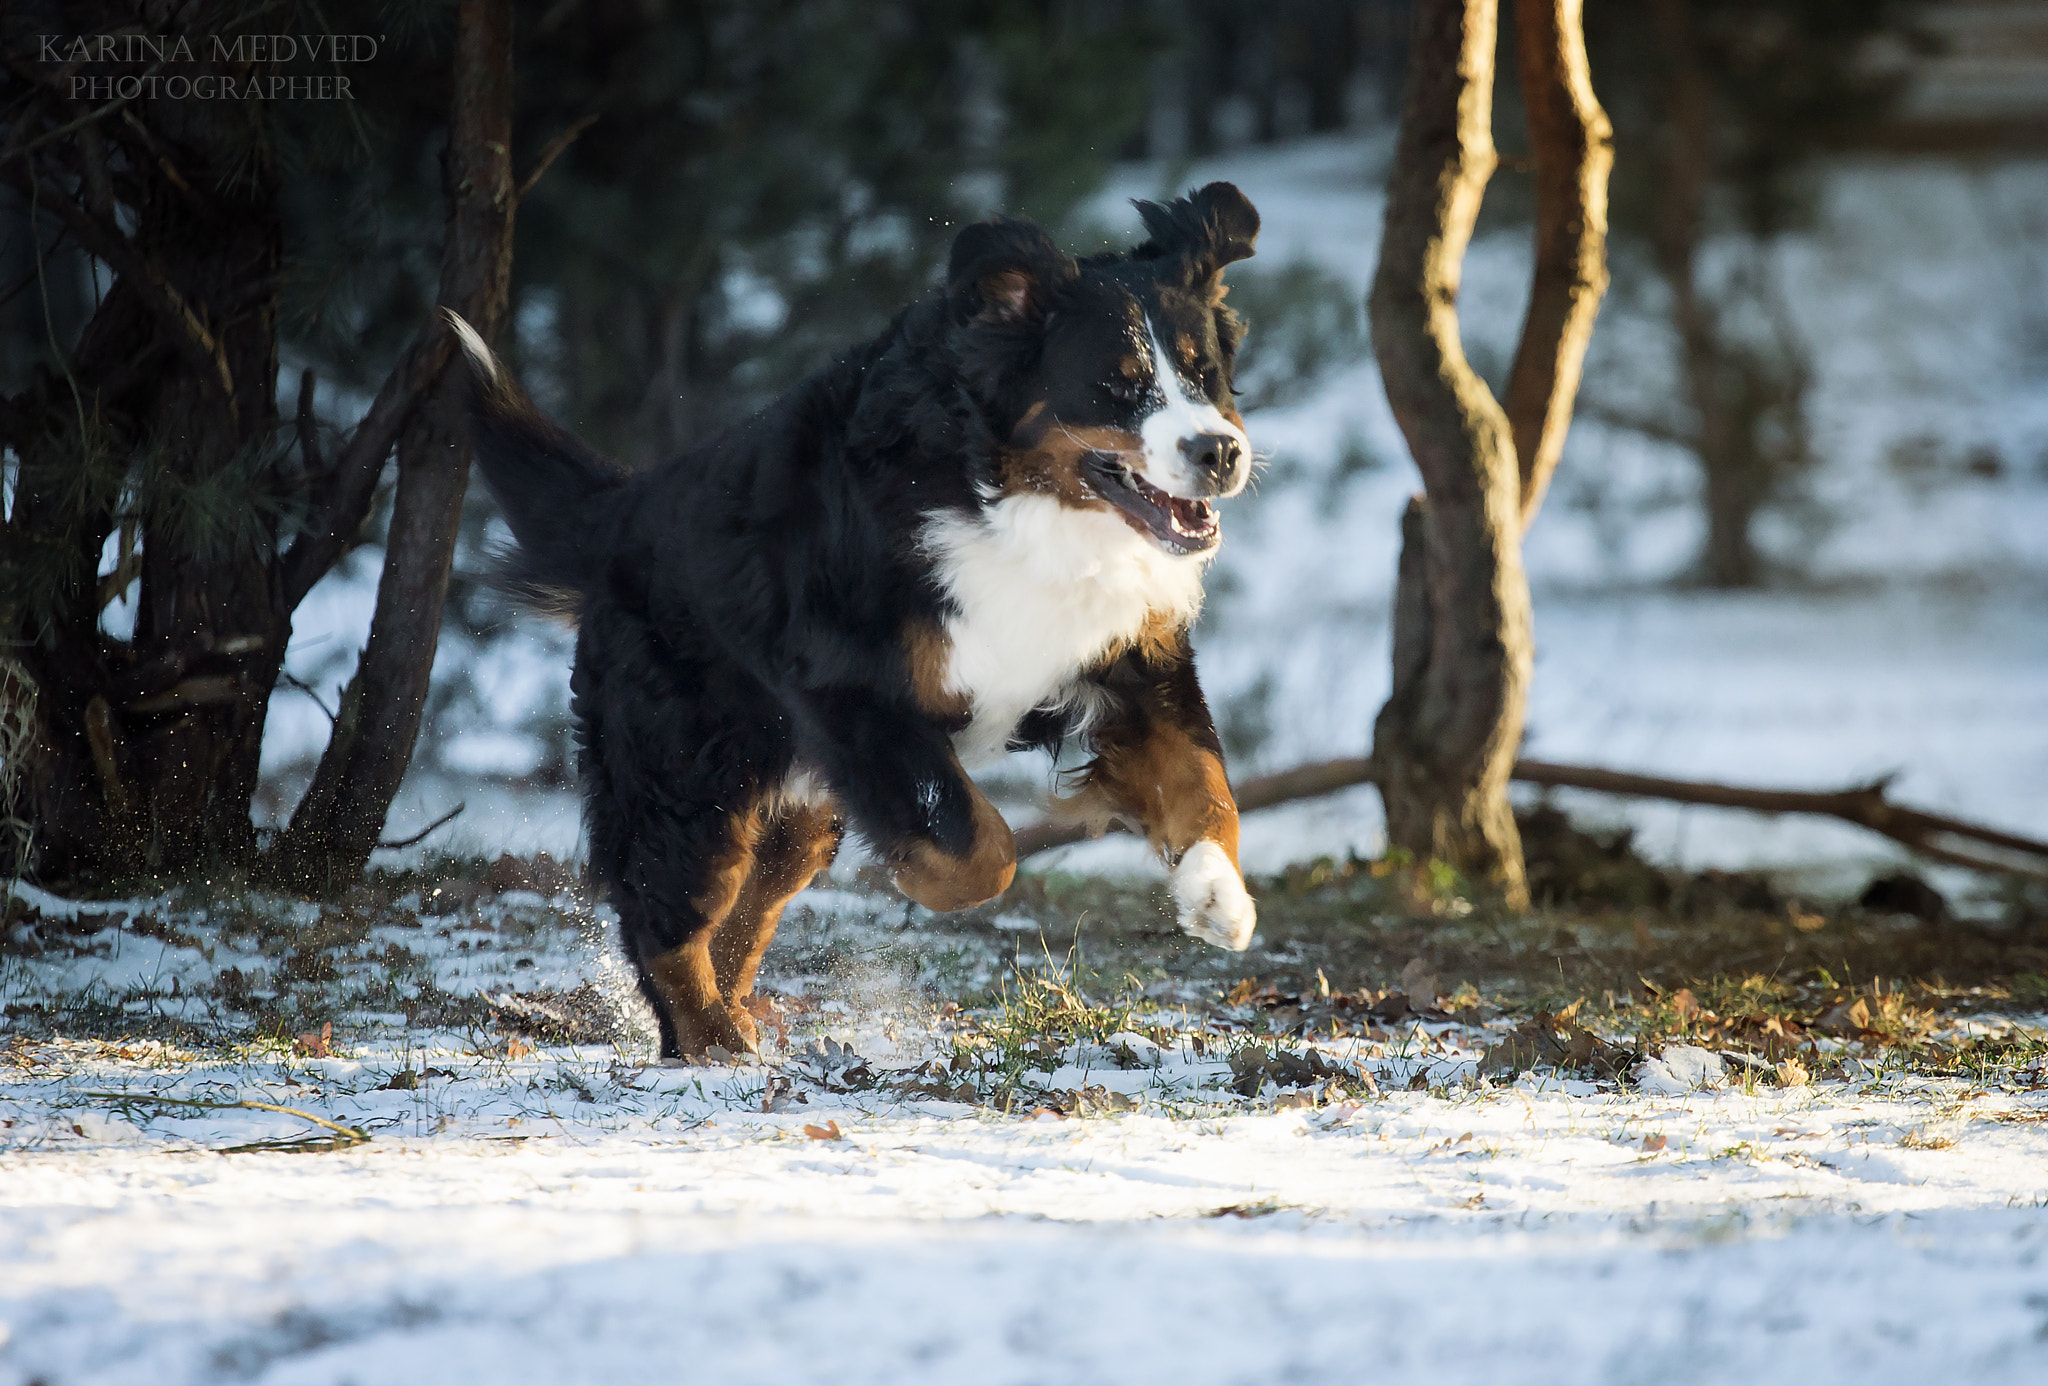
point(557, 495)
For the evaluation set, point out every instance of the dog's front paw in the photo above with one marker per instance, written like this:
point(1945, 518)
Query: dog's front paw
point(1211, 898)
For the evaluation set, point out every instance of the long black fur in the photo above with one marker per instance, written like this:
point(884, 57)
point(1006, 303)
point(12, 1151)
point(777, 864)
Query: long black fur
point(743, 607)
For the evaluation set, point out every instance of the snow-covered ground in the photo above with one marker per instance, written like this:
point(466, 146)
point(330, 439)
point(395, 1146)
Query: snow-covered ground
point(653, 1234)
point(571, 1213)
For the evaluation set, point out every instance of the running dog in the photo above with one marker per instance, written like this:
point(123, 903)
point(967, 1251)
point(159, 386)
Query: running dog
point(984, 530)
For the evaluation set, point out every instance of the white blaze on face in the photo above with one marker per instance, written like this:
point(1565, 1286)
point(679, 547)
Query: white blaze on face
point(1183, 414)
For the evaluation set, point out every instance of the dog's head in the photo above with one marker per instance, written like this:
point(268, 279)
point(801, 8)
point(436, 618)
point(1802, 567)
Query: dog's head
point(1108, 378)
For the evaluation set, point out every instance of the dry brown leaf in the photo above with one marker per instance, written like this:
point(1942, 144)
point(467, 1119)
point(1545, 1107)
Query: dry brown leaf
point(1919, 1139)
point(764, 1010)
point(1849, 1018)
point(1561, 1043)
point(1653, 1144)
point(1265, 1208)
point(828, 1132)
point(1685, 1003)
point(1792, 1074)
point(315, 1045)
point(517, 1048)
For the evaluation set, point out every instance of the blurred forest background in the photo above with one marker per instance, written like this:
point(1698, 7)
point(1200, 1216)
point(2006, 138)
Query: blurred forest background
point(1830, 284)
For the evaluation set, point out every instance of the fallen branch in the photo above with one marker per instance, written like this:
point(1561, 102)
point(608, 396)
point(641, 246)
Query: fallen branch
point(1929, 834)
point(1932, 835)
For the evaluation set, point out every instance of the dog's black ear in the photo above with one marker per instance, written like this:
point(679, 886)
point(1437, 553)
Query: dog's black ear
point(1206, 230)
point(1005, 271)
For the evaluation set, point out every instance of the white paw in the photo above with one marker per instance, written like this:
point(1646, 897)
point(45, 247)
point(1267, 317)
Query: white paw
point(1211, 898)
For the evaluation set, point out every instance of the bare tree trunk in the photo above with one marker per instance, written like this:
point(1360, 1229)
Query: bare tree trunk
point(1444, 744)
point(1446, 738)
point(1573, 146)
point(1728, 559)
point(1729, 386)
point(338, 822)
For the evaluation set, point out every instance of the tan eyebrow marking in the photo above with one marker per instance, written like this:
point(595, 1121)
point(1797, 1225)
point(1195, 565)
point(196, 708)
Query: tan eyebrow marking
point(1031, 428)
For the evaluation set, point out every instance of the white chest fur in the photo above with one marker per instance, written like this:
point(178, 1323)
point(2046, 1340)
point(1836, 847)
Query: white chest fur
point(1043, 591)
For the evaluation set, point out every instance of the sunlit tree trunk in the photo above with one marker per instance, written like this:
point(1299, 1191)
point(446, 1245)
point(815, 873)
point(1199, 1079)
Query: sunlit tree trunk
point(1445, 742)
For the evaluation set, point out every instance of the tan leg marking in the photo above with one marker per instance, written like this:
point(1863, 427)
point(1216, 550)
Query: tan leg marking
point(795, 847)
point(687, 978)
point(688, 983)
point(1172, 787)
point(1176, 791)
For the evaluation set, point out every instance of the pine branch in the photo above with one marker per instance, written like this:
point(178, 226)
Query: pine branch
point(352, 483)
point(550, 152)
point(149, 283)
point(89, 118)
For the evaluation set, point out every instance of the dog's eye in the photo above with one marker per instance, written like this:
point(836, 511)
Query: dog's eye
point(1123, 389)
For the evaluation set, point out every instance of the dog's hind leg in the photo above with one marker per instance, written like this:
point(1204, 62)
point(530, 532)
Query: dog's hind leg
point(796, 845)
point(685, 987)
point(671, 910)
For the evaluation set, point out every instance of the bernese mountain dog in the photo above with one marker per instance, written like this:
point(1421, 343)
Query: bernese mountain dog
point(984, 530)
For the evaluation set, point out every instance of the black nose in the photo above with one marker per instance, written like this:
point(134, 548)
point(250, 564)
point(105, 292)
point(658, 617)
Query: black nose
point(1217, 457)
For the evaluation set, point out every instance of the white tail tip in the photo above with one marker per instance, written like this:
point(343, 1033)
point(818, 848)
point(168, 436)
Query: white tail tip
point(486, 363)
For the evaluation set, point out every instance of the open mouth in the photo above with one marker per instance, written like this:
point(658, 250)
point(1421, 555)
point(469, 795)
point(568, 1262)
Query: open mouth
point(1184, 526)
